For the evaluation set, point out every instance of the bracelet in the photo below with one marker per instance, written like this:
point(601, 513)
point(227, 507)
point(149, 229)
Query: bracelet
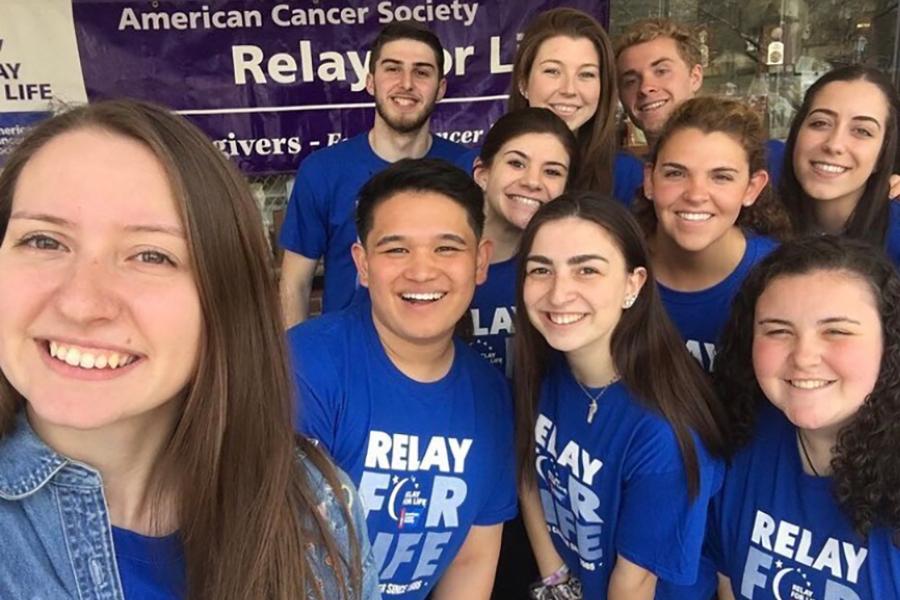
point(557, 576)
point(568, 590)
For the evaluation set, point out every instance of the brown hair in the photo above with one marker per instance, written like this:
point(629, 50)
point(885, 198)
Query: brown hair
point(742, 124)
point(597, 137)
point(245, 509)
point(647, 30)
point(675, 387)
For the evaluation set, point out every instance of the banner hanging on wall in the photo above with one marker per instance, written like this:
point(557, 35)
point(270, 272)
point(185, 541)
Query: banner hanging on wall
point(269, 82)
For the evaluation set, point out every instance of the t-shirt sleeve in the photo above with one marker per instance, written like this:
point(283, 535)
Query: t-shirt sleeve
point(502, 502)
point(660, 528)
point(305, 227)
point(315, 417)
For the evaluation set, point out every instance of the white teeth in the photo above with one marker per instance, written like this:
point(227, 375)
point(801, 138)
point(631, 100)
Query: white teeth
point(89, 360)
point(424, 297)
point(653, 105)
point(829, 168)
point(694, 216)
point(404, 101)
point(563, 109)
point(809, 384)
point(565, 318)
point(526, 200)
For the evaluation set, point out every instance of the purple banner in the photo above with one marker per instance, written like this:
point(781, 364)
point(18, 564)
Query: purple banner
point(272, 81)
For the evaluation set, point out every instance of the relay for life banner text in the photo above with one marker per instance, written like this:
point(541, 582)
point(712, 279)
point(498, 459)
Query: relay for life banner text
point(268, 81)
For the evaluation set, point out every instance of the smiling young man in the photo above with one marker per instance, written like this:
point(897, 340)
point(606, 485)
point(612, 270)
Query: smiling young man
point(406, 79)
point(658, 67)
point(418, 420)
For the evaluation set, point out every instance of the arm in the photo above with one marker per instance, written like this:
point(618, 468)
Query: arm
point(725, 588)
point(895, 186)
point(471, 574)
point(548, 560)
point(295, 287)
point(628, 581)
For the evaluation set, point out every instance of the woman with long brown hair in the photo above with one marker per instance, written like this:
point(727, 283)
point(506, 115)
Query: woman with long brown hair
point(146, 444)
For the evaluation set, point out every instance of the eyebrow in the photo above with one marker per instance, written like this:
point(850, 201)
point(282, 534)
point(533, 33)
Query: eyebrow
point(828, 321)
point(549, 162)
point(655, 63)
point(61, 222)
point(574, 260)
point(559, 62)
point(391, 239)
point(833, 114)
point(676, 165)
point(420, 65)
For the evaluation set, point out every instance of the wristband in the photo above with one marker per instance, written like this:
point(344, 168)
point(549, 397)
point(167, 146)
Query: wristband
point(557, 576)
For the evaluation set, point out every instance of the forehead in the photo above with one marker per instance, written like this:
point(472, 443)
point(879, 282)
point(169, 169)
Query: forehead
point(573, 236)
point(818, 294)
point(577, 50)
point(91, 169)
point(420, 213)
point(858, 97)
point(545, 146)
point(691, 146)
point(407, 50)
point(642, 55)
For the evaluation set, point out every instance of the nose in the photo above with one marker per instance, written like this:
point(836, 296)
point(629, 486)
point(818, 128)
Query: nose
point(806, 351)
point(834, 143)
point(562, 291)
point(407, 79)
point(421, 266)
point(86, 294)
point(648, 85)
point(567, 85)
point(531, 177)
point(697, 189)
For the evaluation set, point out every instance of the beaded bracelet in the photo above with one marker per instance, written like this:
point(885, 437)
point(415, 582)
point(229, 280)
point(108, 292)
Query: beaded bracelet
point(557, 576)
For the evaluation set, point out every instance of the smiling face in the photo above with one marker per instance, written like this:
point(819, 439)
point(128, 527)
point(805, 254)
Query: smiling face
point(698, 186)
point(421, 262)
point(817, 346)
point(527, 172)
point(839, 141)
point(100, 319)
point(565, 77)
point(653, 80)
point(576, 283)
point(406, 84)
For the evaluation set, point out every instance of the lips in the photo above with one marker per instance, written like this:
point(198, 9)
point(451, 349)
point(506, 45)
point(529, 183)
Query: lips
point(810, 384)
point(828, 169)
point(652, 106)
point(694, 216)
point(87, 357)
point(525, 200)
point(422, 297)
point(565, 318)
point(564, 110)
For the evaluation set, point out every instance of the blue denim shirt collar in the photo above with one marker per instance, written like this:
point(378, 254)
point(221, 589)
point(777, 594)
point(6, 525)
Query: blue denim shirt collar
point(27, 464)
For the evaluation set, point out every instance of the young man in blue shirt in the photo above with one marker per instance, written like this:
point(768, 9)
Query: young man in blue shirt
point(406, 79)
point(421, 423)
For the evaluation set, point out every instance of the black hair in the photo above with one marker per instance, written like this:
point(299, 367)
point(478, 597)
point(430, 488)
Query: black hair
point(407, 30)
point(869, 219)
point(866, 461)
point(420, 175)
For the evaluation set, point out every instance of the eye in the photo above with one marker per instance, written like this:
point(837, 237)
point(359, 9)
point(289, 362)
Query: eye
point(777, 332)
point(395, 250)
point(424, 73)
point(40, 241)
point(817, 123)
point(447, 249)
point(554, 173)
point(723, 177)
point(537, 271)
point(154, 257)
point(863, 132)
point(588, 270)
point(550, 71)
point(516, 163)
point(661, 71)
point(588, 75)
point(628, 81)
point(834, 331)
point(672, 173)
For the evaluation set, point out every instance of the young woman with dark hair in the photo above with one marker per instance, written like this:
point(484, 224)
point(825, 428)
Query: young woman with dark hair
point(841, 151)
point(527, 159)
point(146, 440)
point(707, 212)
point(618, 429)
point(810, 366)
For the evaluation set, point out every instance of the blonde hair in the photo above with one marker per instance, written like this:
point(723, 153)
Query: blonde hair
point(647, 30)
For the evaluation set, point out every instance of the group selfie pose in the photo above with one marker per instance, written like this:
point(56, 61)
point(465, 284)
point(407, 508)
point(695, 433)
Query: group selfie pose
point(545, 367)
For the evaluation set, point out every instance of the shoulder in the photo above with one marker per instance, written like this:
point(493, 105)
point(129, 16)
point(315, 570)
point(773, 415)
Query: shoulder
point(335, 157)
point(626, 163)
point(442, 148)
point(478, 369)
point(759, 246)
point(324, 339)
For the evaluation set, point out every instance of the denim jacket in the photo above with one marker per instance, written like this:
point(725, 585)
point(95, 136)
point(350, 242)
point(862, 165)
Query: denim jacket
point(57, 539)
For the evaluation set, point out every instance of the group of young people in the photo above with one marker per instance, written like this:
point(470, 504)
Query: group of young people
point(530, 329)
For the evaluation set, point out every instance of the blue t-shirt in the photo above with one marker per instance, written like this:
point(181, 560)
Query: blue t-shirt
point(617, 486)
point(493, 311)
point(150, 568)
point(320, 213)
point(630, 171)
point(778, 533)
point(701, 316)
point(892, 240)
point(430, 459)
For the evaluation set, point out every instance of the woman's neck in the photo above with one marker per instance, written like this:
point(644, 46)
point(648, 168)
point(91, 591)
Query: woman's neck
point(816, 450)
point(592, 367)
point(504, 235)
point(691, 271)
point(832, 216)
point(126, 454)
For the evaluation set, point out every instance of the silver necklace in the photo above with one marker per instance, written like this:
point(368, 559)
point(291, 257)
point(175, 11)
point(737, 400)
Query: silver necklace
point(592, 407)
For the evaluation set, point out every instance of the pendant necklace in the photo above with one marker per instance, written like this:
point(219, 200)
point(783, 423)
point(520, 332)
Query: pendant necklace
point(806, 454)
point(592, 407)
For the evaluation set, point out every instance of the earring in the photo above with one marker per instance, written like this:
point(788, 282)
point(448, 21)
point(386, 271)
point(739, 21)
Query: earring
point(629, 301)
